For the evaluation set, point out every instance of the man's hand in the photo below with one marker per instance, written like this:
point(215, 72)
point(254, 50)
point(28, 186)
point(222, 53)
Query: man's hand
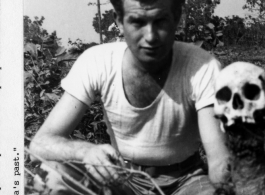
point(100, 161)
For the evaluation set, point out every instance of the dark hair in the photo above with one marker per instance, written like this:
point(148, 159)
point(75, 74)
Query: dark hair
point(118, 6)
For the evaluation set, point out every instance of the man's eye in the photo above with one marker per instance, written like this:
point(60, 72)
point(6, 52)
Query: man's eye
point(162, 20)
point(137, 22)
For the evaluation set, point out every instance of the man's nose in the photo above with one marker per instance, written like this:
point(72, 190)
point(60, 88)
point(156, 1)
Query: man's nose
point(151, 34)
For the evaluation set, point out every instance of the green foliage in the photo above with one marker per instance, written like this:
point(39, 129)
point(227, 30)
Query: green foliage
point(78, 47)
point(243, 31)
point(32, 29)
point(199, 12)
point(42, 90)
point(257, 6)
point(34, 33)
point(106, 20)
point(92, 128)
point(234, 29)
point(199, 25)
point(255, 21)
point(45, 65)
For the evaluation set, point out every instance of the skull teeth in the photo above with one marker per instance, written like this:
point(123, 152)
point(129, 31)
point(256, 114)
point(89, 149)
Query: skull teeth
point(240, 94)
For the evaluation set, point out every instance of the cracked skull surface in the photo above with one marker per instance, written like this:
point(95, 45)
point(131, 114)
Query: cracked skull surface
point(240, 94)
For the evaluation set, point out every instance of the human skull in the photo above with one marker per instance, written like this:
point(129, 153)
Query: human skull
point(239, 93)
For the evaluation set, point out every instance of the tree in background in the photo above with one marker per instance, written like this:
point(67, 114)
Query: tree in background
point(234, 29)
point(107, 20)
point(37, 38)
point(194, 26)
point(257, 6)
point(199, 25)
point(255, 21)
point(32, 29)
point(46, 62)
point(196, 14)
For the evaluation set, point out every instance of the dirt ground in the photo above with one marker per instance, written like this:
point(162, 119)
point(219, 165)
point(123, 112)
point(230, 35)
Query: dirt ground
point(252, 54)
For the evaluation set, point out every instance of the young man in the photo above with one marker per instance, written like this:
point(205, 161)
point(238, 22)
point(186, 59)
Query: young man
point(157, 96)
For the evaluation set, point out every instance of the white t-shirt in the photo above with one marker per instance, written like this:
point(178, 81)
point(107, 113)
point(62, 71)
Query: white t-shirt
point(164, 132)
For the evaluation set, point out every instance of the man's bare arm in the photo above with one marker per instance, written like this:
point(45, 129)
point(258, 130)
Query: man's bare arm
point(52, 141)
point(214, 144)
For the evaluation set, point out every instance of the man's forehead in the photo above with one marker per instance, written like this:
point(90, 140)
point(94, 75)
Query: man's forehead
point(146, 4)
point(147, 13)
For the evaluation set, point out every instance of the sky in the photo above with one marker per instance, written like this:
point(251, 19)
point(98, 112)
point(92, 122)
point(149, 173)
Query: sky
point(73, 18)
point(231, 7)
point(70, 18)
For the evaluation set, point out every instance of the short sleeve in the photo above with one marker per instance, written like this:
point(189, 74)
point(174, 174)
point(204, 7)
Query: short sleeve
point(82, 80)
point(203, 84)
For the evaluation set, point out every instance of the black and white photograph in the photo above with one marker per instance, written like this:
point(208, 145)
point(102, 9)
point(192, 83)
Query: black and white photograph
point(137, 97)
point(11, 97)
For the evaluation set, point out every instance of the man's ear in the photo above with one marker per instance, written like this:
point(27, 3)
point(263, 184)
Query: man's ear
point(118, 21)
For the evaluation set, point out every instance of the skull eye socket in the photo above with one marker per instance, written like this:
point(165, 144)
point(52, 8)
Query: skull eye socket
point(224, 95)
point(251, 91)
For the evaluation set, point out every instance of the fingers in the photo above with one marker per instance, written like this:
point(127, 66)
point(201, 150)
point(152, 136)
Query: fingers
point(99, 173)
point(115, 156)
point(100, 164)
point(121, 161)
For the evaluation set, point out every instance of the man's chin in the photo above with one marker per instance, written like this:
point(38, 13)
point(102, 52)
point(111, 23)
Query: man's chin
point(149, 59)
point(152, 57)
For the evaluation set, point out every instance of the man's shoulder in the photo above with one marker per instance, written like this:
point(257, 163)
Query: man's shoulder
point(191, 51)
point(193, 58)
point(107, 48)
point(105, 58)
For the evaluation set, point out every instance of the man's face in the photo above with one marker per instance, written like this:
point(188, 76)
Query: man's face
point(149, 29)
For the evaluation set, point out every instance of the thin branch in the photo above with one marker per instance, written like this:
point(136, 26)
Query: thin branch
point(61, 173)
point(29, 187)
point(29, 172)
point(131, 171)
point(126, 170)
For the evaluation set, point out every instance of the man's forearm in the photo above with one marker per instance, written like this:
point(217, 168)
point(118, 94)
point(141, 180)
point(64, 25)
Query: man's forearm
point(214, 144)
point(52, 142)
point(218, 166)
point(58, 148)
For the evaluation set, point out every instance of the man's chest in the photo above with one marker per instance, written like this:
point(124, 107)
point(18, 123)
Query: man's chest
point(141, 90)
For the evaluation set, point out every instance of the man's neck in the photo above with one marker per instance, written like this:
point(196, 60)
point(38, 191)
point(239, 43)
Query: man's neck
point(145, 80)
point(152, 68)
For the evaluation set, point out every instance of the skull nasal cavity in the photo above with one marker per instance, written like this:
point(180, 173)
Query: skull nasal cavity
point(237, 102)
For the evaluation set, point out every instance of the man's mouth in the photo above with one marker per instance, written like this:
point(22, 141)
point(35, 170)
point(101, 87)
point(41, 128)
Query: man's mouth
point(151, 49)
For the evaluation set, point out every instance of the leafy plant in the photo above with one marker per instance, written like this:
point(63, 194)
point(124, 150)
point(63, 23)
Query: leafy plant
point(257, 6)
point(197, 24)
point(107, 20)
point(45, 65)
point(234, 29)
